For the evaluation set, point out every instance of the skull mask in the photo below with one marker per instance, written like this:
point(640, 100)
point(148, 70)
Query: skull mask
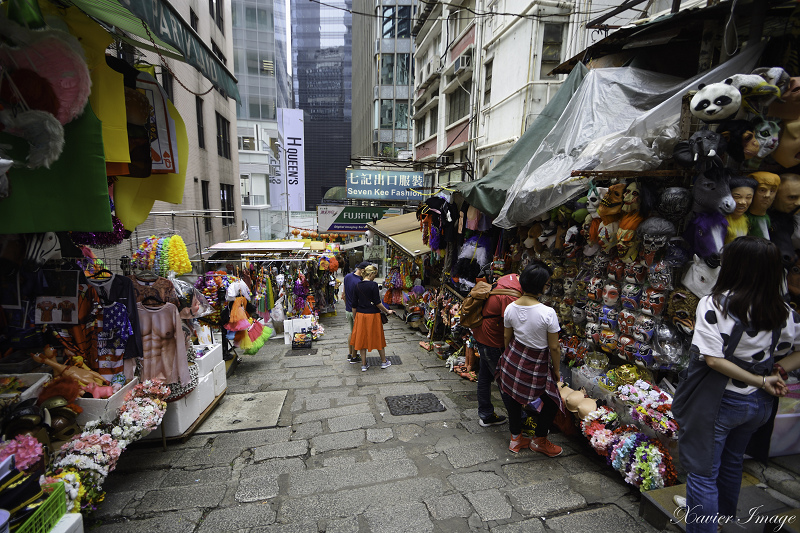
point(627, 321)
point(655, 232)
point(653, 301)
point(610, 294)
point(643, 330)
point(631, 293)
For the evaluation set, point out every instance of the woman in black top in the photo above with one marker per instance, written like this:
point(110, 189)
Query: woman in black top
point(368, 328)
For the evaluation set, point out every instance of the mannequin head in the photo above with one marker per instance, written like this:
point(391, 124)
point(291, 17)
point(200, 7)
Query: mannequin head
point(787, 199)
point(768, 184)
point(742, 189)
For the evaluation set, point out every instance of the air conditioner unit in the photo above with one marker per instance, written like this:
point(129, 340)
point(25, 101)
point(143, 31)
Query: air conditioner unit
point(463, 62)
point(444, 160)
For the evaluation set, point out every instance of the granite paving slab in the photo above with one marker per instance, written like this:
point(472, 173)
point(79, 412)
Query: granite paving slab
point(490, 504)
point(257, 488)
point(450, 506)
point(237, 517)
point(607, 518)
point(186, 497)
point(175, 522)
point(292, 448)
point(238, 412)
point(333, 479)
point(408, 518)
point(545, 498)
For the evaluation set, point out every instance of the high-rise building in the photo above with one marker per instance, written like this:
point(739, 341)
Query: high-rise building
point(322, 47)
point(382, 79)
point(259, 63)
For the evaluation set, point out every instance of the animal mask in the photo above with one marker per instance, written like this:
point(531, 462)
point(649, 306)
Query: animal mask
point(715, 102)
point(533, 237)
point(767, 134)
point(757, 93)
point(681, 310)
point(700, 278)
point(702, 150)
point(711, 192)
point(742, 141)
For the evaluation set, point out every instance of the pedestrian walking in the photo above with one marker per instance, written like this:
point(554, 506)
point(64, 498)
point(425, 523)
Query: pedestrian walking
point(349, 297)
point(732, 378)
point(368, 326)
point(529, 367)
point(490, 342)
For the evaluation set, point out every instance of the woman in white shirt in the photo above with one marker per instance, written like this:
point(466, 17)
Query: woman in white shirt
point(529, 367)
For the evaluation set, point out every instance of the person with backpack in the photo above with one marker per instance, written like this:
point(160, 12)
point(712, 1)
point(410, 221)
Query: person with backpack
point(529, 367)
point(482, 312)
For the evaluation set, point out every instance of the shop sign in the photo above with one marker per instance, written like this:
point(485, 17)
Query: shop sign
point(292, 147)
point(165, 22)
point(350, 218)
point(368, 184)
point(375, 252)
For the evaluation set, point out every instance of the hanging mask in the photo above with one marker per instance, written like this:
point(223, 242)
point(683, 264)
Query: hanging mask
point(593, 198)
point(608, 341)
point(564, 312)
point(607, 235)
point(556, 288)
point(655, 232)
point(600, 265)
point(595, 288)
point(610, 207)
point(626, 348)
point(669, 350)
point(609, 317)
point(569, 286)
point(660, 277)
point(681, 309)
point(767, 134)
point(630, 199)
point(643, 329)
point(631, 294)
point(581, 289)
point(616, 269)
point(653, 302)
point(644, 354)
point(593, 311)
point(578, 314)
point(593, 332)
point(610, 294)
point(627, 321)
point(674, 204)
point(635, 272)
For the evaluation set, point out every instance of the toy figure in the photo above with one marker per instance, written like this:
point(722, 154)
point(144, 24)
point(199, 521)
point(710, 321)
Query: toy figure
point(81, 375)
point(768, 184)
point(610, 294)
point(653, 301)
point(631, 294)
point(716, 101)
point(630, 199)
point(626, 320)
point(654, 233)
point(627, 246)
point(681, 310)
point(742, 189)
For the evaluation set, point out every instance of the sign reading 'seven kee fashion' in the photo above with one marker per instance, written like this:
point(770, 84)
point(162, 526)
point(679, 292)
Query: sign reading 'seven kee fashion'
point(384, 185)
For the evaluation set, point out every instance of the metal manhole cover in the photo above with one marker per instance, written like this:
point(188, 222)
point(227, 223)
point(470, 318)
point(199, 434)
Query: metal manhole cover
point(302, 351)
point(376, 361)
point(414, 404)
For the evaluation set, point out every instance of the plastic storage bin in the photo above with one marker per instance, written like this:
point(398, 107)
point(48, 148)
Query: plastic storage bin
point(48, 514)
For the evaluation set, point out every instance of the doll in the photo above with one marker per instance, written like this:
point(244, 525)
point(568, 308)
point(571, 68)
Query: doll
point(742, 189)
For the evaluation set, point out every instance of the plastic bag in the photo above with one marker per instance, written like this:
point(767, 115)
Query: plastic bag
point(192, 302)
point(277, 316)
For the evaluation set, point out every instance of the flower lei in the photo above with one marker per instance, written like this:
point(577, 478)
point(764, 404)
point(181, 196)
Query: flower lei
point(179, 256)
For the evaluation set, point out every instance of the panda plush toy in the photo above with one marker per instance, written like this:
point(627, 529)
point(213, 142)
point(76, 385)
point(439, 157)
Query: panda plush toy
point(715, 102)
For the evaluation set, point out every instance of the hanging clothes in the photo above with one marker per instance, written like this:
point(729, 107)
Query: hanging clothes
point(115, 330)
point(160, 288)
point(120, 289)
point(164, 344)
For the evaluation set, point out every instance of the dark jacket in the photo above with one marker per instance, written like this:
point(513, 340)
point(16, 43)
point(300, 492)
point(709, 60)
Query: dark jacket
point(367, 298)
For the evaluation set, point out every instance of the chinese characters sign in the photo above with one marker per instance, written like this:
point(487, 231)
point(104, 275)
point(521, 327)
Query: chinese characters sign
point(384, 185)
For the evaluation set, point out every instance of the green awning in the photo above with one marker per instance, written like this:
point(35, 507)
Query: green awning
point(168, 30)
point(489, 193)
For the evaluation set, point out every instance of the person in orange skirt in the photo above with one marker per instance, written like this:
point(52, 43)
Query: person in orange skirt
point(368, 327)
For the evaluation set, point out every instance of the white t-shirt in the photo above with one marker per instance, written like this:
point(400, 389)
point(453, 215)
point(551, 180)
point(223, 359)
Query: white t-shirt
point(531, 323)
point(712, 330)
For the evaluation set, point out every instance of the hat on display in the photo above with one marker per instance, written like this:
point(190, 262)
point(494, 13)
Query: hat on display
point(363, 264)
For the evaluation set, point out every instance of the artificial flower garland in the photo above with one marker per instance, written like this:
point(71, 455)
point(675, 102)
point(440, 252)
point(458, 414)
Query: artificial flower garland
point(649, 405)
point(163, 255)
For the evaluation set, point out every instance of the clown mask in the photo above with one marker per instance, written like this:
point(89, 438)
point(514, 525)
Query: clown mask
point(627, 321)
point(631, 294)
point(610, 294)
point(627, 246)
point(630, 199)
point(653, 301)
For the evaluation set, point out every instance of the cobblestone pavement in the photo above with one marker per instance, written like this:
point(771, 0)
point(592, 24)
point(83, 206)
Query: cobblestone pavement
point(339, 461)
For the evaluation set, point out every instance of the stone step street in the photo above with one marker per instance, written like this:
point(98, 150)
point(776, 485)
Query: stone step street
point(339, 461)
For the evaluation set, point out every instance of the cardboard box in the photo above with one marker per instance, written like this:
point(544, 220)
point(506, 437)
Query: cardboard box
point(105, 410)
point(211, 358)
point(220, 380)
point(34, 382)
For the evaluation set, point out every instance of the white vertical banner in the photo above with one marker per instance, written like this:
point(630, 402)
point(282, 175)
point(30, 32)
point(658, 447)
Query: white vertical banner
point(293, 169)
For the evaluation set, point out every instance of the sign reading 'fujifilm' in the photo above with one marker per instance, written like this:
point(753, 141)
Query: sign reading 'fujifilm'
point(384, 185)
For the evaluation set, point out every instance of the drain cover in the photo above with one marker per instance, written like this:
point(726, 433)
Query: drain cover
point(376, 361)
point(414, 404)
point(302, 351)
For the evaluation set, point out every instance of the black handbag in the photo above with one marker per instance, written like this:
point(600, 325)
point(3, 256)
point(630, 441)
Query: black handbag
point(384, 318)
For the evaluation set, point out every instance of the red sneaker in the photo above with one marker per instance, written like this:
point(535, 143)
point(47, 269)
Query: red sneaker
point(519, 443)
point(541, 444)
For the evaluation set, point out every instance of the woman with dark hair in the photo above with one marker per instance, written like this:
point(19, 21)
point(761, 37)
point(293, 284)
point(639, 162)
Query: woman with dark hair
point(739, 327)
point(367, 326)
point(529, 367)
